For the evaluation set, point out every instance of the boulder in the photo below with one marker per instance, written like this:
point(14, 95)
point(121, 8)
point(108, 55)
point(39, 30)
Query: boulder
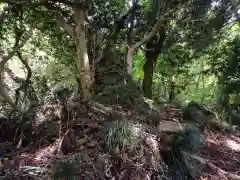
point(235, 119)
point(197, 114)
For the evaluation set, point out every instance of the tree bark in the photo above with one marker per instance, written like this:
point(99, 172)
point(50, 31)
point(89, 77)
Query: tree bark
point(172, 93)
point(83, 66)
point(4, 93)
point(78, 33)
point(4, 58)
point(129, 60)
point(154, 48)
point(151, 58)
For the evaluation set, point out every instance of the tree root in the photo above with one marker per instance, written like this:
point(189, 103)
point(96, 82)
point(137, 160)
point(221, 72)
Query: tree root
point(211, 165)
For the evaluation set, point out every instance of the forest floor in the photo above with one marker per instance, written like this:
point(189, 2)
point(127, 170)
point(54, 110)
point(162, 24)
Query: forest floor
point(220, 158)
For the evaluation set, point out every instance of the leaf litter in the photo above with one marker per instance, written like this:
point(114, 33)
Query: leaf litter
point(91, 160)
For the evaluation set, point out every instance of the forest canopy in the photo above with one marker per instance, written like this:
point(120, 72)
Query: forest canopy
point(166, 37)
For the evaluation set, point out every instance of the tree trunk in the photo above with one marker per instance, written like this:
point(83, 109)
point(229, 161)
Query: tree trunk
point(3, 91)
point(203, 82)
point(172, 93)
point(223, 100)
point(129, 60)
point(151, 58)
point(83, 67)
point(151, 36)
point(154, 48)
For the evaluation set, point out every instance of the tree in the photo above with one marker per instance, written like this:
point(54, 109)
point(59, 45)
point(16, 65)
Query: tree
point(21, 38)
point(61, 12)
point(229, 79)
point(95, 30)
point(195, 31)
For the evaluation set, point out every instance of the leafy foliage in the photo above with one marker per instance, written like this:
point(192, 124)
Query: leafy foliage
point(196, 51)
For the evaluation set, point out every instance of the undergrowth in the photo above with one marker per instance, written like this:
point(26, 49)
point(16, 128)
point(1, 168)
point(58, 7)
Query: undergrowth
point(64, 170)
point(121, 134)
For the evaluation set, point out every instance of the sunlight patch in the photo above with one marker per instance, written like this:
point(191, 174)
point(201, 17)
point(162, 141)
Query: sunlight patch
point(233, 145)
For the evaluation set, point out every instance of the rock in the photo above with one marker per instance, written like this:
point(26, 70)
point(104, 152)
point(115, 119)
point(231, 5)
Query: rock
point(235, 119)
point(194, 166)
point(190, 139)
point(197, 114)
point(7, 129)
point(168, 126)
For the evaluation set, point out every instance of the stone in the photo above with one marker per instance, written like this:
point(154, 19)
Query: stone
point(197, 114)
point(168, 126)
point(235, 119)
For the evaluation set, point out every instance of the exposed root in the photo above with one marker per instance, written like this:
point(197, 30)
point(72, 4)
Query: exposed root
point(212, 166)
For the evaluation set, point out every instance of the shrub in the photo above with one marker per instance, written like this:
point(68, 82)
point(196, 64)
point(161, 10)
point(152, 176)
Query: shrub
point(121, 134)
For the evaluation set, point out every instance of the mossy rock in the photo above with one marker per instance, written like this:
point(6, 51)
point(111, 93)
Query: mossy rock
point(235, 119)
point(190, 139)
point(197, 114)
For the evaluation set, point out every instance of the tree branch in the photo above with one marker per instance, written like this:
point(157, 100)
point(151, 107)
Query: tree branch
point(153, 31)
point(5, 57)
point(185, 20)
point(13, 76)
point(16, 78)
point(3, 13)
point(60, 20)
point(59, 17)
point(132, 19)
point(118, 26)
point(18, 45)
point(25, 63)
